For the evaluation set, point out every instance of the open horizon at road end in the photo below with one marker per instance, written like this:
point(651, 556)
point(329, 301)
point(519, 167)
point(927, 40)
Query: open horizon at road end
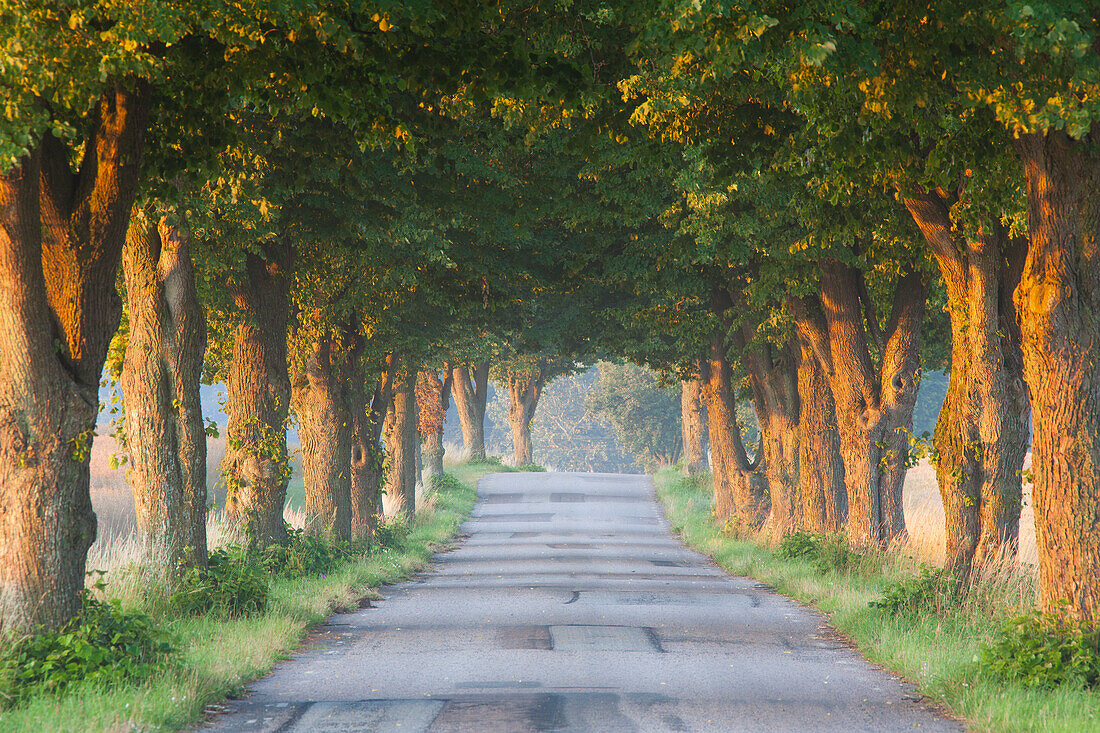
point(570, 606)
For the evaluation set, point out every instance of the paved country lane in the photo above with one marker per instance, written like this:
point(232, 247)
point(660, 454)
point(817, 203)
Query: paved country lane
point(572, 607)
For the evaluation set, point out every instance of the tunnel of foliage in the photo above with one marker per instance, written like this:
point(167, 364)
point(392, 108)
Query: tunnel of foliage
point(355, 214)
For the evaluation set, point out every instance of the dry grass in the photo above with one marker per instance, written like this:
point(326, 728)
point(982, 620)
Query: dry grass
point(117, 546)
point(925, 520)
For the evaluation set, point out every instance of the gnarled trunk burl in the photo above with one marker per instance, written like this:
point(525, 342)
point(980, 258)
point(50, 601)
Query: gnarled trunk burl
point(61, 239)
point(165, 434)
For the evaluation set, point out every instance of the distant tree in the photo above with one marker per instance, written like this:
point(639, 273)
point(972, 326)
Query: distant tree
point(644, 414)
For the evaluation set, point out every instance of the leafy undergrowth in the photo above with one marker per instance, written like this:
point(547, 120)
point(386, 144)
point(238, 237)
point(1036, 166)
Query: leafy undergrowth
point(980, 652)
point(192, 650)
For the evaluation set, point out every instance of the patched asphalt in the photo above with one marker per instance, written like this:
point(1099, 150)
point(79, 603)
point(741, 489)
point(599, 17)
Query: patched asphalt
point(571, 606)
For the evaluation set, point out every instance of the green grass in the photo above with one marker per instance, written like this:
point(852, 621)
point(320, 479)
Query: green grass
point(220, 657)
point(938, 652)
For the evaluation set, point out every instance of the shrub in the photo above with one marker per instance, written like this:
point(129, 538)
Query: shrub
point(445, 482)
point(825, 552)
point(934, 590)
point(392, 533)
point(304, 554)
point(837, 555)
point(103, 643)
point(233, 583)
point(736, 528)
point(1045, 650)
point(800, 545)
point(531, 468)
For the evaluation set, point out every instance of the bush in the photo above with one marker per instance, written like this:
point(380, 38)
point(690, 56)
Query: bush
point(233, 583)
point(392, 533)
point(825, 552)
point(102, 643)
point(934, 590)
point(800, 545)
point(531, 468)
point(445, 483)
point(304, 554)
point(1045, 650)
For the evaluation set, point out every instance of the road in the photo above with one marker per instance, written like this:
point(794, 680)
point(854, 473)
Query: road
point(572, 607)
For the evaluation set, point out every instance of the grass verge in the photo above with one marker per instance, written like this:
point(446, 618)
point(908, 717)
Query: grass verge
point(939, 652)
point(219, 657)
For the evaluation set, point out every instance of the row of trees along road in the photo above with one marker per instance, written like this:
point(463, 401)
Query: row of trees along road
point(338, 208)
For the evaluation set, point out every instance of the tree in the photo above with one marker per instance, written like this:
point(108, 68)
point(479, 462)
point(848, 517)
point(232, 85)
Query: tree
point(80, 93)
point(433, 397)
point(165, 433)
point(642, 411)
point(471, 384)
point(692, 425)
point(401, 443)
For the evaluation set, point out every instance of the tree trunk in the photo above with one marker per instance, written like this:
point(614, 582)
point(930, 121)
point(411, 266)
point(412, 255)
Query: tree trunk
point(738, 490)
point(433, 397)
point(165, 434)
point(325, 428)
point(400, 496)
point(1058, 300)
point(367, 456)
point(821, 471)
point(774, 384)
point(869, 400)
point(692, 418)
point(256, 466)
point(524, 390)
point(471, 388)
point(981, 436)
point(61, 239)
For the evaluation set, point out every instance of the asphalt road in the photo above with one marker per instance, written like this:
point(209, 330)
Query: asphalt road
point(571, 607)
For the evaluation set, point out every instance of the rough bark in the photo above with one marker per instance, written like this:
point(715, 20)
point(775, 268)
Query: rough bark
point(870, 398)
point(320, 399)
point(471, 389)
point(524, 390)
point(1058, 301)
point(738, 489)
point(165, 434)
point(774, 382)
point(981, 436)
point(433, 397)
point(693, 426)
point(401, 442)
point(61, 239)
point(821, 471)
point(256, 466)
point(367, 457)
